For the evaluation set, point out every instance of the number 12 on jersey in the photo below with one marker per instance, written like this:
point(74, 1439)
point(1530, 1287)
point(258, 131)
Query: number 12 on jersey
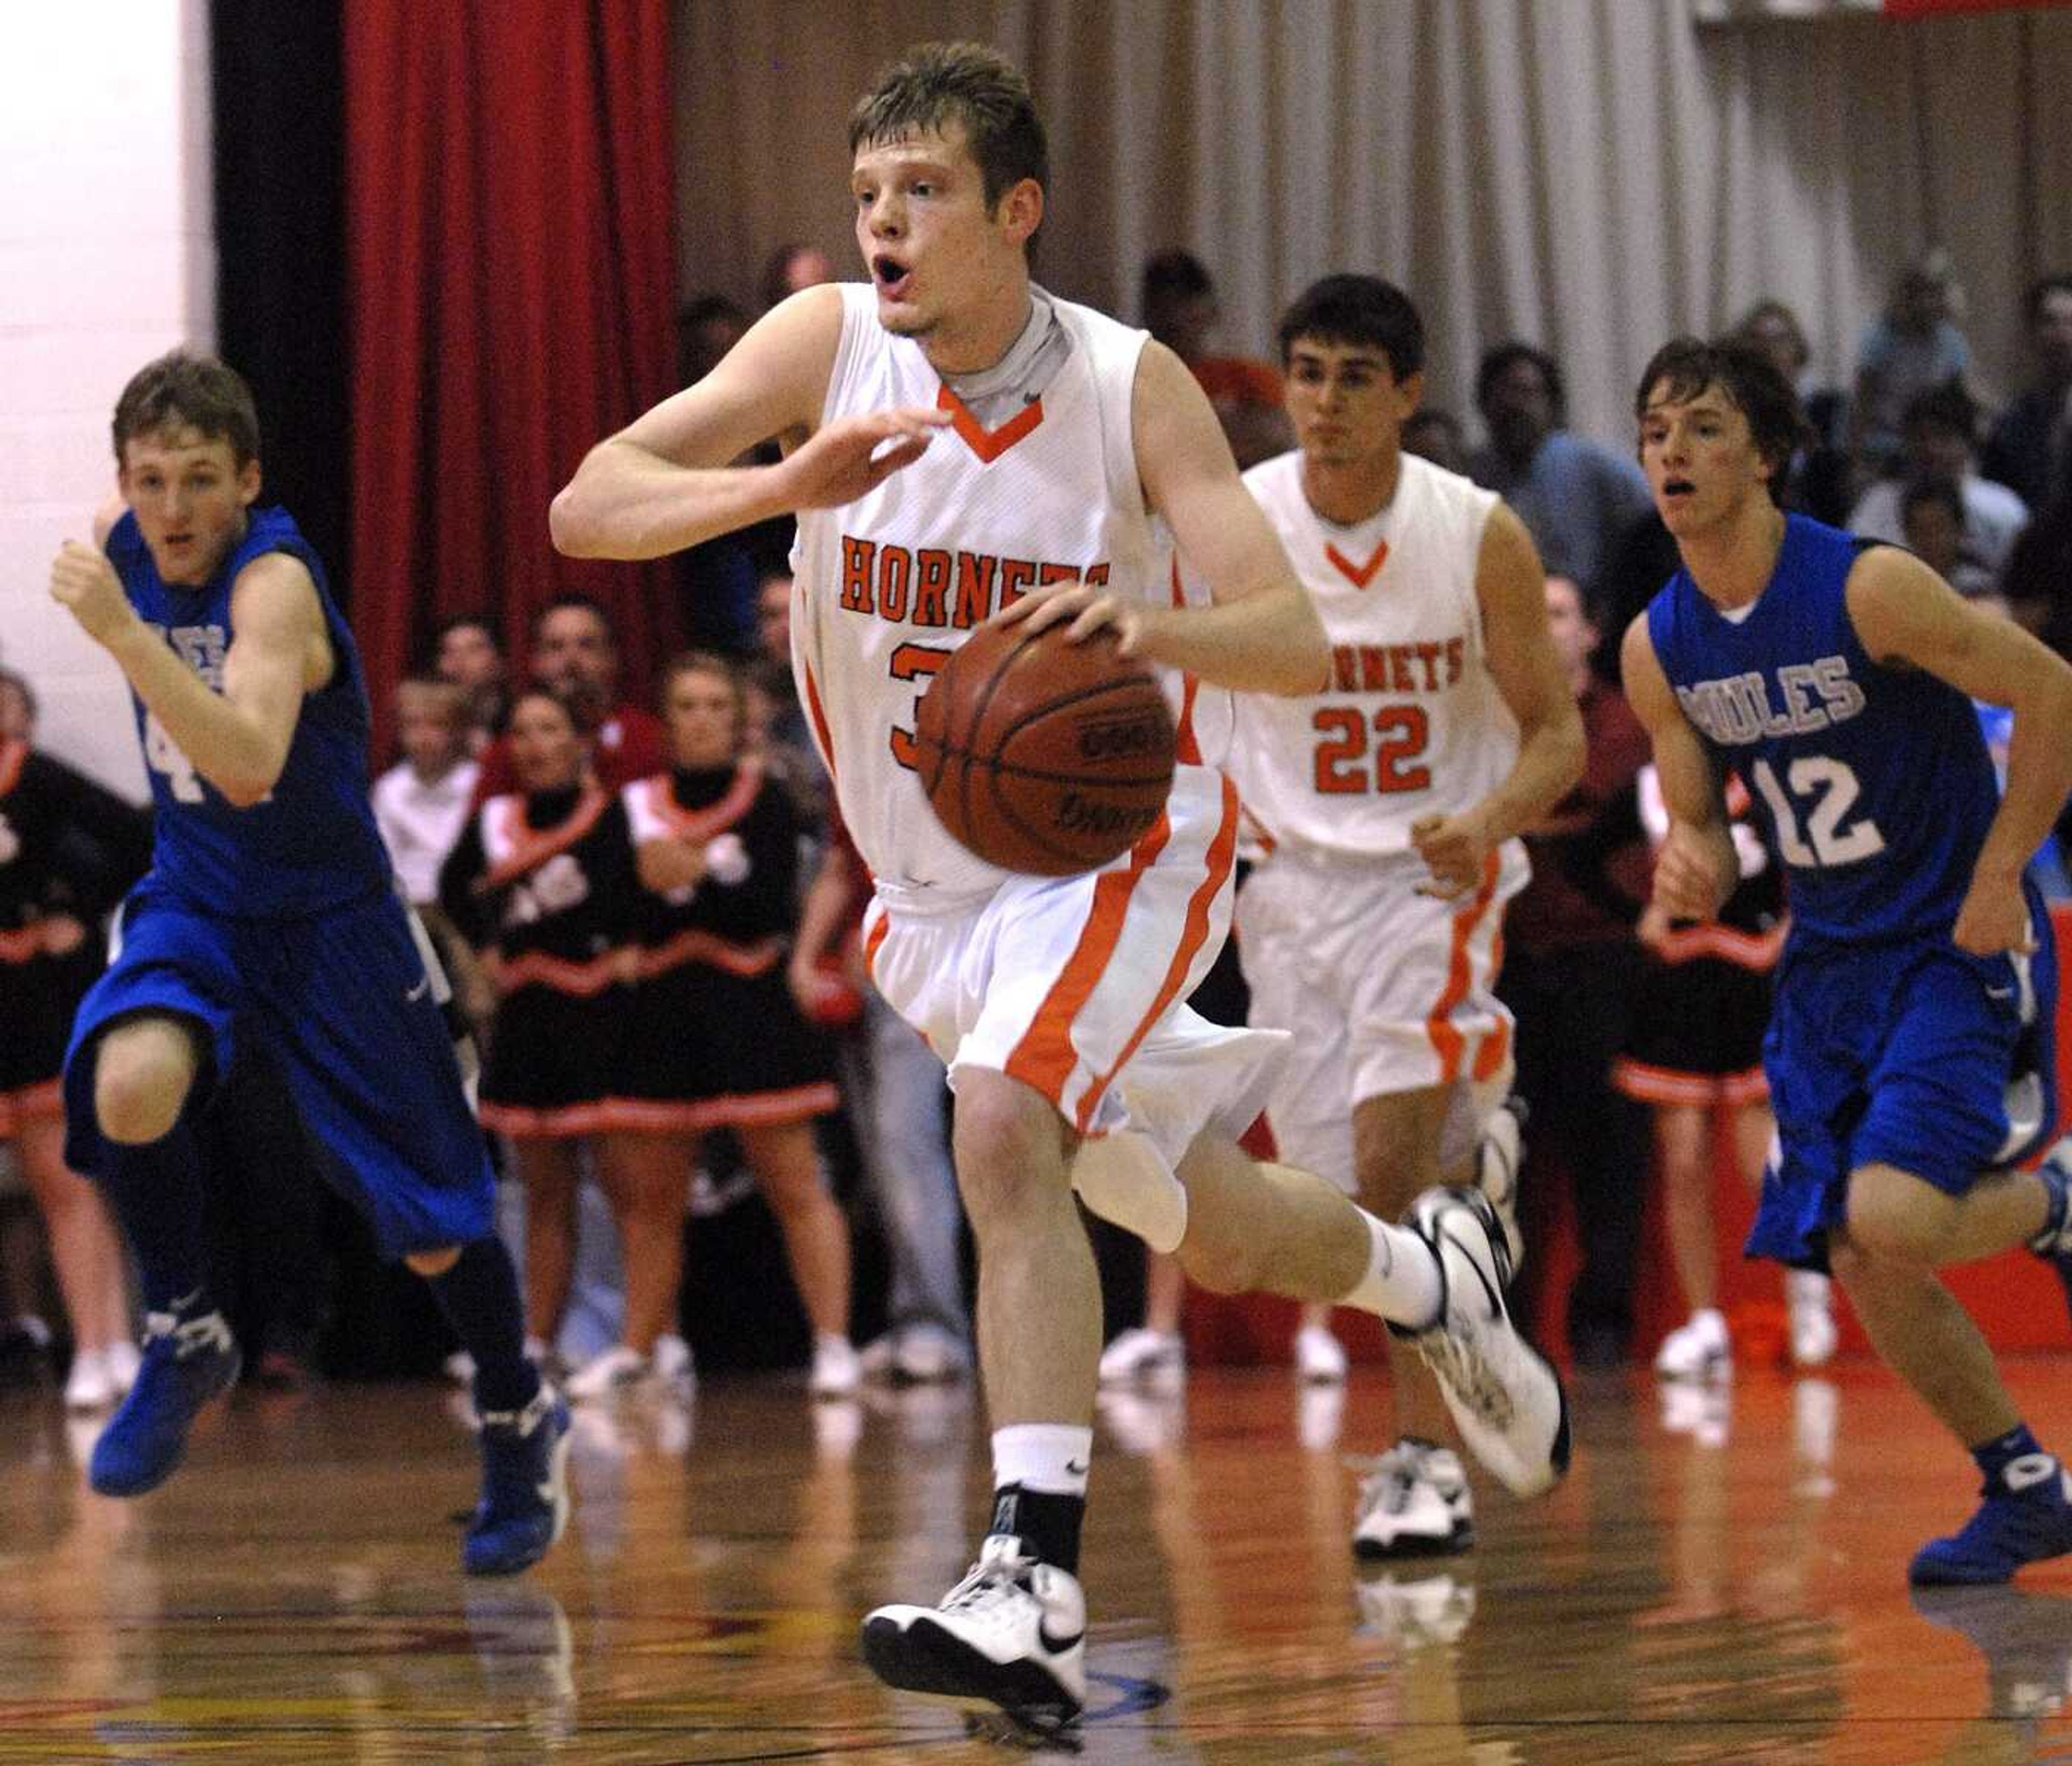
point(1833, 788)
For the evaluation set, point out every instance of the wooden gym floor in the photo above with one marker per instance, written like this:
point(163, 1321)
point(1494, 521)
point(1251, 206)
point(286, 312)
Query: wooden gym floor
point(1716, 1581)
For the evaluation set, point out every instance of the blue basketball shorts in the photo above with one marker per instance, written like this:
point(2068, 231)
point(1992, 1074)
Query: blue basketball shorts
point(1906, 1053)
point(343, 1001)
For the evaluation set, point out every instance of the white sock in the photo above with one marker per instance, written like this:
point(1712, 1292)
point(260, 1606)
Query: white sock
point(1402, 1280)
point(1052, 1457)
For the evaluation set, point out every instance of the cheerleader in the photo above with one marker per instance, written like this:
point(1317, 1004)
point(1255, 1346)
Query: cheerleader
point(715, 1039)
point(68, 851)
point(541, 884)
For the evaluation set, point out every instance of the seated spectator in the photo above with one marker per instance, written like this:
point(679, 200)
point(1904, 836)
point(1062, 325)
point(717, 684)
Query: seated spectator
point(1432, 433)
point(2034, 435)
point(68, 851)
point(713, 1039)
point(1820, 481)
point(1942, 426)
point(471, 656)
point(1912, 347)
point(1931, 517)
point(2038, 581)
point(575, 655)
point(1576, 496)
point(1180, 309)
point(421, 804)
point(541, 884)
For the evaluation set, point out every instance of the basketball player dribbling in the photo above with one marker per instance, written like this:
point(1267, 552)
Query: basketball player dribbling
point(962, 446)
point(1390, 802)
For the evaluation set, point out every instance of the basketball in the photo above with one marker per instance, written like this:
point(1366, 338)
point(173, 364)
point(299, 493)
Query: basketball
point(1042, 756)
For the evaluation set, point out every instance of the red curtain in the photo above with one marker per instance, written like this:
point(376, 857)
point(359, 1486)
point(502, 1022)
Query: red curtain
point(509, 205)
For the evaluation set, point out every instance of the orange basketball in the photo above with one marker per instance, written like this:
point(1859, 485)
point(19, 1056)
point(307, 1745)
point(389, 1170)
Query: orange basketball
point(1042, 756)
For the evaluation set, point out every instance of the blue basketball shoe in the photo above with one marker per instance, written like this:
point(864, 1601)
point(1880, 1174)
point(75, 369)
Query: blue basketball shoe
point(2025, 1516)
point(524, 1504)
point(2053, 1244)
point(188, 1359)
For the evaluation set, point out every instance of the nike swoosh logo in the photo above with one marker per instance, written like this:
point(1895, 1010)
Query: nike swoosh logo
point(420, 990)
point(1056, 1646)
point(1077, 1468)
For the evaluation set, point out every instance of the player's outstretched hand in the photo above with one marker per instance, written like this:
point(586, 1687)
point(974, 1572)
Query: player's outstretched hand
point(856, 454)
point(1994, 918)
point(1695, 873)
point(83, 581)
point(1089, 607)
point(1456, 847)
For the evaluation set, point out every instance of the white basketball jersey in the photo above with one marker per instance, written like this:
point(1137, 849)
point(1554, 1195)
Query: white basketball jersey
point(886, 587)
point(1411, 723)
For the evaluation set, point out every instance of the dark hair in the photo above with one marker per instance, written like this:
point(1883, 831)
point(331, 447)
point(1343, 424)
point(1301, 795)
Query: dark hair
point(934, 84)
point(1745, 327)
point(1945, 407)
point(1176, 274)
point(2057, 282)
point(1498, 360)
point(571, 705)
point(560, 603)
point(1749, 379)
point(1359, 310)
point(183, 389)
point(1934, 488)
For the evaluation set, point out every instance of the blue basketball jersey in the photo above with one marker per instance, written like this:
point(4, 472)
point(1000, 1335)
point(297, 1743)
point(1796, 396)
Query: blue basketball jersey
point(311, 844)
point(1875, 783)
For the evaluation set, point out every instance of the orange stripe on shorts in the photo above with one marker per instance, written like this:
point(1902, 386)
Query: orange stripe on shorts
point(1045, 1056)
point(1222, 855)
point(1439, 1027)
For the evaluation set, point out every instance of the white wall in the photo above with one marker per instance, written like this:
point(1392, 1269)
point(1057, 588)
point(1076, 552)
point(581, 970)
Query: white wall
point(107, 258)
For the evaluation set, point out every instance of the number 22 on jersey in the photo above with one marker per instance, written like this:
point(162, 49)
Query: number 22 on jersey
point(1402, 734)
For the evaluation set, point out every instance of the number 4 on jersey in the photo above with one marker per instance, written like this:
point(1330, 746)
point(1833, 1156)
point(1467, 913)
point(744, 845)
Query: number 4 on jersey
point(163, 754)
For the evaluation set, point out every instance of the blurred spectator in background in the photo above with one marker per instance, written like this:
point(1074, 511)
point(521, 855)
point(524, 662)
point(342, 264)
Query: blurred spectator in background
point(1942, 432)
point(1576, 496)
point(793, 266)
point(778, 730)
point(68, 851)
point(2033, 434)
point(575, 656)
point(1178, 302)
point(471, 656)
point(1572, 977)
point(421, 804)
point(713, 1039)
point(1931, 519)
point(893, 1088)
point(1820, 480)
point(2038, 581)
point(1432, 433)
point(1915, 345)
point(541, 885)
point(708, 325)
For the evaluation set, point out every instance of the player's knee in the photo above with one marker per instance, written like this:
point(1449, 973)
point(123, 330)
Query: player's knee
point(1011, 1146)
point(140, 1086)
point(1896, 1222)
point(431, 1264)
point(1220, 1261)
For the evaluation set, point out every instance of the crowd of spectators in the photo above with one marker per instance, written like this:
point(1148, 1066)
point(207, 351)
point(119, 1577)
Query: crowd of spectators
point(610, 873)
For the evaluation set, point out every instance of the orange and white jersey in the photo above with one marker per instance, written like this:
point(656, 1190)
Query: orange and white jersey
point(886, 587)
point(1411, 723)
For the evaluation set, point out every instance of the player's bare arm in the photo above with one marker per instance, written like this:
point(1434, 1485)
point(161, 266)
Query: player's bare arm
point(237, 740)
point(1696, 867)
point(1261, 635)
point(663, 483)
point(1906, 615)
point(1510, 588)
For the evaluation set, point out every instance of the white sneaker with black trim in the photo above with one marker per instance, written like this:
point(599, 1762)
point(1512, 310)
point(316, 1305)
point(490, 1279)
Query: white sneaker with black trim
point(1505, 1398)
point(1140, 1354)
point(1012, 1634)
point(1413, 1503)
